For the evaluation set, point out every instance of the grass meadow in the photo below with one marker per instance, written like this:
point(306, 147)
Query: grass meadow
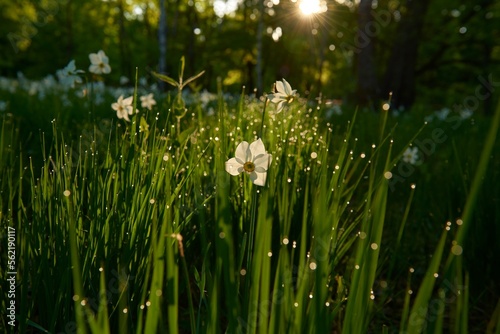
point(367, 222)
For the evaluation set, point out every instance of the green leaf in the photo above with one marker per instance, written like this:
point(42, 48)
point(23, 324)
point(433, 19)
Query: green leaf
point(193, 78)
point(166, 79)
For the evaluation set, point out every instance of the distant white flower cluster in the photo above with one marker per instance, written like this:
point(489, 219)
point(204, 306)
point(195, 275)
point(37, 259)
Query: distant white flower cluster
point(444, 113)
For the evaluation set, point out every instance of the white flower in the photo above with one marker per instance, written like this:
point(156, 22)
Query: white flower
point(252, 159)
point(442, 114)
point(68, 76)
point(147, 101)
point(124, 80)
point(411, 155)
point(123, 107)
point(100, 63)
point(3, 105)
point(284, 94)
point(465, 113)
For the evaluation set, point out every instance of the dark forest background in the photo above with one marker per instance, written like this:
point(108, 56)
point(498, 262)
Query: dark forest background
point(428, 53)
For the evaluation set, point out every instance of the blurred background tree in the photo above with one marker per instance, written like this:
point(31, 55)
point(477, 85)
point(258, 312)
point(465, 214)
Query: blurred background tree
point(430, 52)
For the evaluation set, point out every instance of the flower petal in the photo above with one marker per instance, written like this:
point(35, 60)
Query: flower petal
point(241, 152)
point(103, 56)
point(233, 167)
point(262, 162)
point(257, 148)
point(280, 88)
point(287, 87)
point(258, 179)
point(128, 100)
point(94, 58)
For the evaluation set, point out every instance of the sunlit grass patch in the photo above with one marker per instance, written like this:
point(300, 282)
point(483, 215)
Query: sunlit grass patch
point(140, 225)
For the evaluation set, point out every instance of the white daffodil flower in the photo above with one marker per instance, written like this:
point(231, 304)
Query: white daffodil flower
point(284, 94)
point(411, 155)
point(252, 159)
point(69, 76)
point(148, 101)
point(123, 107)
point(99, 63)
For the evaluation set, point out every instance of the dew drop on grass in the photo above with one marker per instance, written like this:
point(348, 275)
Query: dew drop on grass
point(310, 295)
point(374, 246)
point(313, 265)
point(296, 304)
point(436, 275)
point(158, 292)
point(243, 272)
point(285, 241)
point(148, 303)
point(410, 292)
point(76, 298)
point(269, 254)
point(83, 302)
point(412, 270)
point(456, 250)
point(222, 235)
point(294, 244)
point(459, 222)
point(356, 267)
point(125, 310)
point(388, 175)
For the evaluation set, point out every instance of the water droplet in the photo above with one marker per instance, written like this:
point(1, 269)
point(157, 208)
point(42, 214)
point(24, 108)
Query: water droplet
point(158, 292)
point(459, 222)
point(436, 275)
point(374, 246)
point(356, 266)
point(222, 235)
point(269, 254)
point(285, 241)
point(456, 250)
point(296, 304)
point(388, 175)
point(125, 310)
point(67, 193)
point(314, 155)
point(243, 272)
point(313, 265)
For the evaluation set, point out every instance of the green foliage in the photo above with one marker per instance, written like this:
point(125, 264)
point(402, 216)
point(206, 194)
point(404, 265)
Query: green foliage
point(139, 228)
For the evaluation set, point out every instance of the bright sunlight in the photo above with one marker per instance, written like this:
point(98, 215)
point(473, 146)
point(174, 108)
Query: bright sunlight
point(309, 7)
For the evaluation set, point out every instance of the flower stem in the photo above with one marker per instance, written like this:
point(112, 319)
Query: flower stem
point(263, 117)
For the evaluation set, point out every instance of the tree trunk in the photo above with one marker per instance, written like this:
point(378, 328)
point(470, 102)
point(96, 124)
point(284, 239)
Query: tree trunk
point(367, 91)
point(400, 74)
point(162, 42)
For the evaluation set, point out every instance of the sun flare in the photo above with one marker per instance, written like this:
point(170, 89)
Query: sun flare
point(309, 7)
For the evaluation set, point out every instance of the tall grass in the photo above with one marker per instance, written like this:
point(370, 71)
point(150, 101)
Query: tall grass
point(139, 229)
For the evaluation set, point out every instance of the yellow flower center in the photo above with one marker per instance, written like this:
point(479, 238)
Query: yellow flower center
point(249, 166)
